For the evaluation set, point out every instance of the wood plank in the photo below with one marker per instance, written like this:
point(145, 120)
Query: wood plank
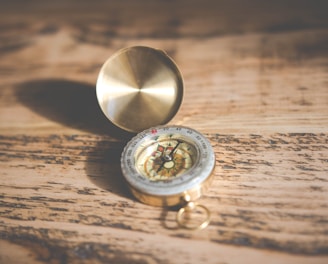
point(268, 193)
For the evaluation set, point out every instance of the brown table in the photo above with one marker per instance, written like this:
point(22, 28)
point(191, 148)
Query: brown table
point(256, 84)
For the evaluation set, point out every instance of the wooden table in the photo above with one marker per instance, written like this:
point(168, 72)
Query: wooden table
point(256, 84)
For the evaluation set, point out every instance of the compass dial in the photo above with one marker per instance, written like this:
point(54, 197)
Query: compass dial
point(167, 157)
point(165, 163)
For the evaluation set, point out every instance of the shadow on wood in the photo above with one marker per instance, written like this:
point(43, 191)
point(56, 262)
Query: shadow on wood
point(103, 167)
point(70, 103)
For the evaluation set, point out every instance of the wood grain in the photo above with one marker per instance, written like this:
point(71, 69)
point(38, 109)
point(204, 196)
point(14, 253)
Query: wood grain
point(255, 84)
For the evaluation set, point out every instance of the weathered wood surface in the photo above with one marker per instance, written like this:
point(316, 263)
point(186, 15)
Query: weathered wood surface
point(256, 78)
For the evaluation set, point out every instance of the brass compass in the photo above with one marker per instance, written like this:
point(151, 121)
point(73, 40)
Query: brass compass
point(139, 89)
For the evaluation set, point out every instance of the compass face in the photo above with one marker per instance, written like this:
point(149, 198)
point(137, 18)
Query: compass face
point(167, 160)
point(168, 156)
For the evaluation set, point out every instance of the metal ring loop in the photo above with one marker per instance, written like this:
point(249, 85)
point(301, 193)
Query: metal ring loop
point(192, 207)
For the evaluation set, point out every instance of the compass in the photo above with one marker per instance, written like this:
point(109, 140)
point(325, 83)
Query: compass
point(140, 89)
point(169, 166)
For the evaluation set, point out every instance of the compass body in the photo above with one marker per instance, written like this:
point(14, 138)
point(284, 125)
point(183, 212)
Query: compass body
point(141, 87)
point(163, 165)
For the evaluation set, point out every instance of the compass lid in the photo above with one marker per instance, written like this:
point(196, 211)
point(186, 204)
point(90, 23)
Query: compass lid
point(139, 87)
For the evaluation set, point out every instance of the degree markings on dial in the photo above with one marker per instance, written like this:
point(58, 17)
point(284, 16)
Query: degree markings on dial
point(193, 160)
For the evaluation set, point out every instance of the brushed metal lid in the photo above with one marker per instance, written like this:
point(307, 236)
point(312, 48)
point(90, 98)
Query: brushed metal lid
point(139, 87)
